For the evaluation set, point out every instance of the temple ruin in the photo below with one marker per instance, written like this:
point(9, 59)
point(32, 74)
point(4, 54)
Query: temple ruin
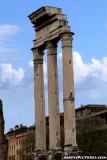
point(51, 26)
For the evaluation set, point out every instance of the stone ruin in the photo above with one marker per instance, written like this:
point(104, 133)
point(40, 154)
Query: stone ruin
point(51, 26)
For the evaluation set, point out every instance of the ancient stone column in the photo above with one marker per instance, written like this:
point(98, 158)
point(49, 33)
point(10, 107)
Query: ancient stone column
point(40, 151)
point(68, 95)
point(53, 102)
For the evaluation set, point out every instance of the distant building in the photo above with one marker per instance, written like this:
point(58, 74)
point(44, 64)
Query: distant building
point(3, 143)
point(95, 113)
point(90, 110)
point(17, 135)
point(16, 138)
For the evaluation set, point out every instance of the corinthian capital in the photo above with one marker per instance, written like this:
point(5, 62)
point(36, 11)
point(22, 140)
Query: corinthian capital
point(38, 55)
point(66, 39)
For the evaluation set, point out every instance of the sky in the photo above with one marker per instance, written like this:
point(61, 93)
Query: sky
point(87, 19)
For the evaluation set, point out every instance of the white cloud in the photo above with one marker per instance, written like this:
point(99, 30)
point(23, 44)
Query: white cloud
point(59, 55)
point(45, 73)
point(8, 30)
point(90, 79)
point(80, 68)
point(96, 69)
point(30, 63)
point(11, 76)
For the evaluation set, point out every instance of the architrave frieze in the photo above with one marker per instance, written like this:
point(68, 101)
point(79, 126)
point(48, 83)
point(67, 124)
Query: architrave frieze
point(56, 34)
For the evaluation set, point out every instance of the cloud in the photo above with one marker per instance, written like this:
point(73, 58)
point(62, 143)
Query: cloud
point(86, 75)
point(80, 68)
point(6, 31)
point(45, 73)
point(16, 85)
point(59, 55)
point(30, 63)
point(20, 77)
point(10, 76)
point(90, 79)
point(95, 70)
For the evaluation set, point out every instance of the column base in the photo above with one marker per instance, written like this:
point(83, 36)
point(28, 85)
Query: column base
point(70, 150)
point(40, 155)
point(55, 155)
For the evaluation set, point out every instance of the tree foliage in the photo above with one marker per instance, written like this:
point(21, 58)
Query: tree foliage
point(91, 139)
point(27, 147)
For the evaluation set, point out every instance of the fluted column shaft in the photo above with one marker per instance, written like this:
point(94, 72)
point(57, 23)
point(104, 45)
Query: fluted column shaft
point(39, 100)
point(68, 90)
point(53, 97)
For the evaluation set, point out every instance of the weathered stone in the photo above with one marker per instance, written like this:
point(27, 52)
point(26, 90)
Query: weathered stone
point(3, 145)
point(53, 97)
point(39, 100)
point(55, 155)
point(68, 90)
point(51, 26)
point(70, 150)
point(40, 155)
point(49, 22)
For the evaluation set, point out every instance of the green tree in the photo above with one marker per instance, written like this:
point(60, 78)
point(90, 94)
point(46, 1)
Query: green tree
point(27, 147)
point(91, 139)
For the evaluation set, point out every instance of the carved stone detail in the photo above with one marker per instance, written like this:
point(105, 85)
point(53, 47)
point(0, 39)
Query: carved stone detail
point(38, 56)
point(71, 151)
point(66, 40)
point(50, 26)
point(51, 48)
point(40, 155)
point(55, 155)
